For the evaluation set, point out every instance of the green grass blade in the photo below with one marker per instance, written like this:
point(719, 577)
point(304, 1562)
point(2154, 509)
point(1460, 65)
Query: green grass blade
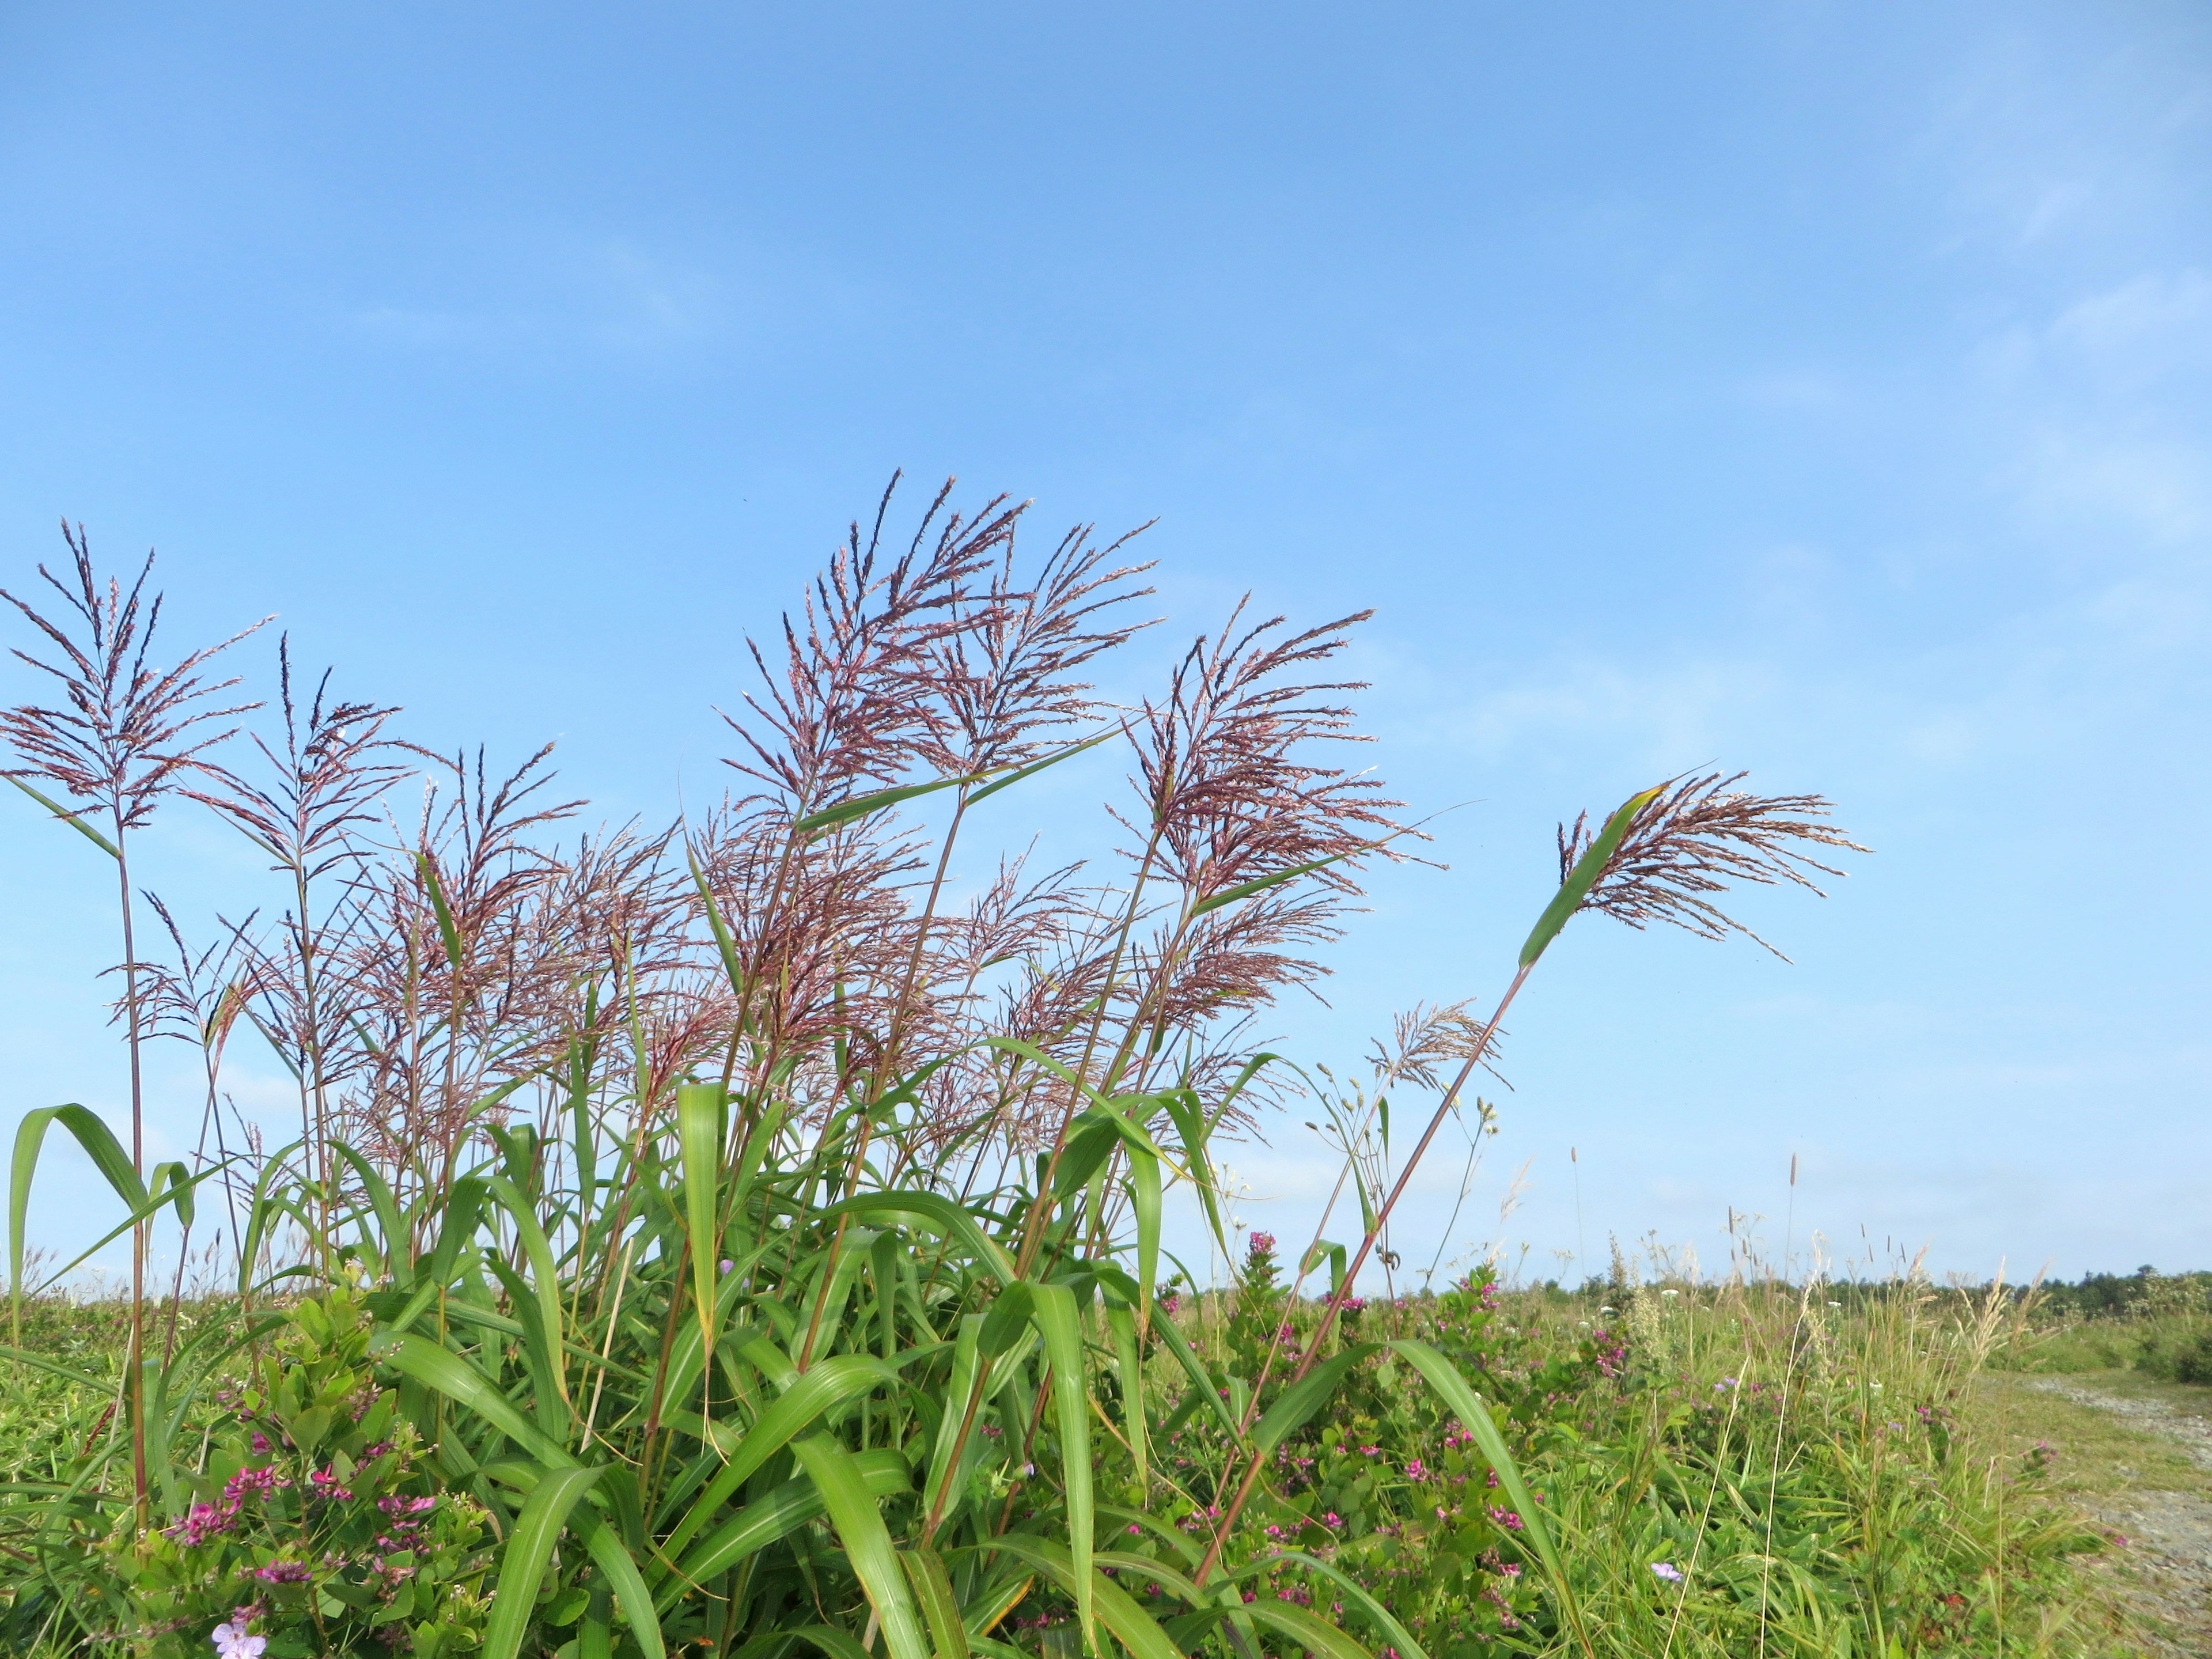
point(529, 1549)
point(441, 1369)
point(1474, 1417)
point(1396, 1634)
point(1321, 1639)
point(385, 1208)
point(1305, 1397)
point(1130, 1367)
point(1052, 1310)
point(1200, 1382)
point(1245, 889)
point(725, 945)
point(700, 1108)
point(967, 1375)
point(1035, 767)
point(72, 819)
point(778, 1514)
point(940, 1610)
point(830, 1382)
point(941, 1216)
point(860, 805)
point(868, 1542)
point(545, 1274)
point(1129, 1624)
point(448, 931)
point(1583, 877)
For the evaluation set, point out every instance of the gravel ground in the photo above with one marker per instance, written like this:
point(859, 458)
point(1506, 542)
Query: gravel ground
point(2168, 1534)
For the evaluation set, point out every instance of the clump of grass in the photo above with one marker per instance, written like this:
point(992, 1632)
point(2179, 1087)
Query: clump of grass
point(736, 1234)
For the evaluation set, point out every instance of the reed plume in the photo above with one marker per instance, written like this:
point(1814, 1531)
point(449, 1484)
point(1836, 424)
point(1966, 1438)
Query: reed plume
point(128, 734)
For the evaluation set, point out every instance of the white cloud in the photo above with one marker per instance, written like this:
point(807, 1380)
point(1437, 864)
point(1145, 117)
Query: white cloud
point(613, 295)
point(2151, 325)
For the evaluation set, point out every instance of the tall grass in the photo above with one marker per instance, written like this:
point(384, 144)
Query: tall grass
point(747, 1233)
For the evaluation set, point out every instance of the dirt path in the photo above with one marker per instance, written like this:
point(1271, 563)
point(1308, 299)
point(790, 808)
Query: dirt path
point(2168, 1534)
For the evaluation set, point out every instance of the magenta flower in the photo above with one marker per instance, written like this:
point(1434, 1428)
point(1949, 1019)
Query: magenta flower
point(248, 1483)
point(203, 1521)
point(1416, 1470)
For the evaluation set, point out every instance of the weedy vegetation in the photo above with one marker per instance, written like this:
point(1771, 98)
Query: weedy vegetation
point(742, 1237)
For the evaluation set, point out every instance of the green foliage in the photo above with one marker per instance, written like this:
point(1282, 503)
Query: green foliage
point(313, 1516)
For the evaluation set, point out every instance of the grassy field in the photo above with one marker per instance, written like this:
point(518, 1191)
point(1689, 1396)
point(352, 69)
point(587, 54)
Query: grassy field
point(743, 1235)
point(1739, 1470)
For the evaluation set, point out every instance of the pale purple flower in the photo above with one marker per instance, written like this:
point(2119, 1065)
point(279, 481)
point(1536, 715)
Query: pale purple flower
point(1666, 1570)
point(230, 1642)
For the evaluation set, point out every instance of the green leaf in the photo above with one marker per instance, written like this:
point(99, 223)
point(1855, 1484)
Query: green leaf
point(724, 946)
point(462, 1211)
point(107, 1156)
point(777, 1515)
point(933, 1587)
point(1396, 1634)
point(700, 1108)
point(1583, 877)
point(441, 1369)
point(1249, 889)
point(1129, 1366)
point(1200, 1380)
point(1317, 1637)
point(941, 1216)
point(546, 1278)
point(868, 1542)
point(614, 1562)
point(72, 819)
point(860, 805)
point(1474, 1417)
point(1304, 1398)
point(1130, 1625)
point(1333, 1253)
point(1052, 1310)
point(446, 930)
point(529, 1548)
point(830, 1383)
point(1035, 767)
point(393, 1246)
point(987, 1613)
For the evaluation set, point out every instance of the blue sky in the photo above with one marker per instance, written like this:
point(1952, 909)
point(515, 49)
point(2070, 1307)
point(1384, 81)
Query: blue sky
point(1807, 388)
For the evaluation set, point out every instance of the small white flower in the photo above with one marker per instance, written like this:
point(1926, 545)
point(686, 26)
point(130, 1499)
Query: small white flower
point(230, 1642)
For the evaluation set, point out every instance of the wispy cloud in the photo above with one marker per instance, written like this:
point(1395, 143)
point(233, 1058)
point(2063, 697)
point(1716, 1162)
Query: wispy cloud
point(612, 297)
